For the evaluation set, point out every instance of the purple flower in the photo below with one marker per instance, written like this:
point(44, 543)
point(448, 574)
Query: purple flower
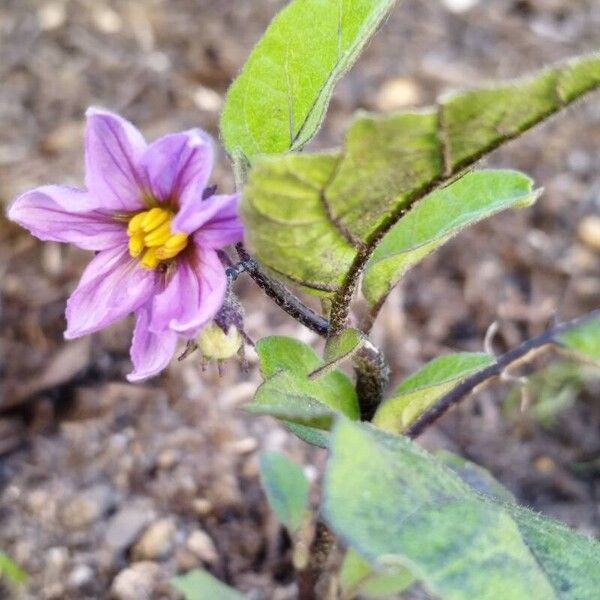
point(155, 237)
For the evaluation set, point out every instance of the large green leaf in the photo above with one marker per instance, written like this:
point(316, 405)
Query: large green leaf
point(475, 476)
point(419, 391)
point(287, 392)
point(439, 217)
point(201, 585)
point(311, 217)
point(584, 339)
point(286, 487)
point(279, 100)
point(398, 505)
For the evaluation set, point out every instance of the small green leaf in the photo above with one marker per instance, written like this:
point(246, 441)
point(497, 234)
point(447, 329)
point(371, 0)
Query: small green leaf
point(286, 487)
point(397, 505)
point(357, 576)
point(287, 393)
point(279, 100)
point(439, 217)
point(201, 585)
point(584, 339)
point(308, 216)
point(11, 570)
point(338, 349)
point(419, 391)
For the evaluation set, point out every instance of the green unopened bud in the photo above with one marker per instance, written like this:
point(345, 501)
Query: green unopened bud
point(216, 344)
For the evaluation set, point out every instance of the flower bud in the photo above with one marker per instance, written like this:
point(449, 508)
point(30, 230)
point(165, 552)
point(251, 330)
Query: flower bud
point(217, 344)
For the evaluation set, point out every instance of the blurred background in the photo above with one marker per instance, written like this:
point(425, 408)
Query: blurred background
point(108, 489)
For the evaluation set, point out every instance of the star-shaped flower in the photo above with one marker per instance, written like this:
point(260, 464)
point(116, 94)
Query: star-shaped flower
point(156, 229)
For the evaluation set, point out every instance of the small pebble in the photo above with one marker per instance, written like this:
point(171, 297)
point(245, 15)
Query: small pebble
point(397, 93)
point(137, 582)
point(126, 525)
point(589, 231)
point(202, 506)
point(88, 506)
point(200, 543)
point(157, 541)
point(80, 576)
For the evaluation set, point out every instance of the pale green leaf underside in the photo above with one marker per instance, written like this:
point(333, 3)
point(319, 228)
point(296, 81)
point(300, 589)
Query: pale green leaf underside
point(422, 389)
point(308, 215)
point(460, 544)
point(286, 488)
point(200, 585)
point(439, 217)
point(279, 99)
point(584, 339)
point(288, 394)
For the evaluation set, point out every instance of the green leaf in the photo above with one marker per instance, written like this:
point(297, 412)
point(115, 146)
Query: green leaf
point(11, 570)
point(200, 585)
point(340, 348)
point(474, 476)
point(397, 505)
point(286, 487)
point(357, 575)
point(439, 217)
point(287, 393)
point(423, 388)
point(309, 216)
point(584, 339)
point(279, 100)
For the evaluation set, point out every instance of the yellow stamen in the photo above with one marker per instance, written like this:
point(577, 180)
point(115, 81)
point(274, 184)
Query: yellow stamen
point(151, 237)
point(135, 223)
point(136, 244)
point(158, 236)
point(154, 218)
point(150, 259)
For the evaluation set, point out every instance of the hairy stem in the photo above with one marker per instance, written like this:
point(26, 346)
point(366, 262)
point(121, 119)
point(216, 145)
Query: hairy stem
point(320, 549)
point(517, 354)
point(372, 378)
point(282, 296)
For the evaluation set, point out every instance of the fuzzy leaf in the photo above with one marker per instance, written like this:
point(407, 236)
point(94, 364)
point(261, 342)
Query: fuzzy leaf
point(286, 487)
point(419, 391)
point(308, 216)
point(474, 476)
point(279, 99)
point(439, 217)
point(584, 339)
point(287, 393)
point(460, 544)
point(200, 585)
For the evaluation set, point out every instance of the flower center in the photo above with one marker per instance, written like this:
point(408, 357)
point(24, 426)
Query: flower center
point(151, 237)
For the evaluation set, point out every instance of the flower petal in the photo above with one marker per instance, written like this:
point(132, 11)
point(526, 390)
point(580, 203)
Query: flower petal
point(112, 286)
point(150, 352)
point(178, 165)
point(194, 294)
point(224, 228)
point(63, 214)
point(215, 221)
point(113, 153)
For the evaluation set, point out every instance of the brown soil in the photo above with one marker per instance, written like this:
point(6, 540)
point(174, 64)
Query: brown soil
point(99, 478)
